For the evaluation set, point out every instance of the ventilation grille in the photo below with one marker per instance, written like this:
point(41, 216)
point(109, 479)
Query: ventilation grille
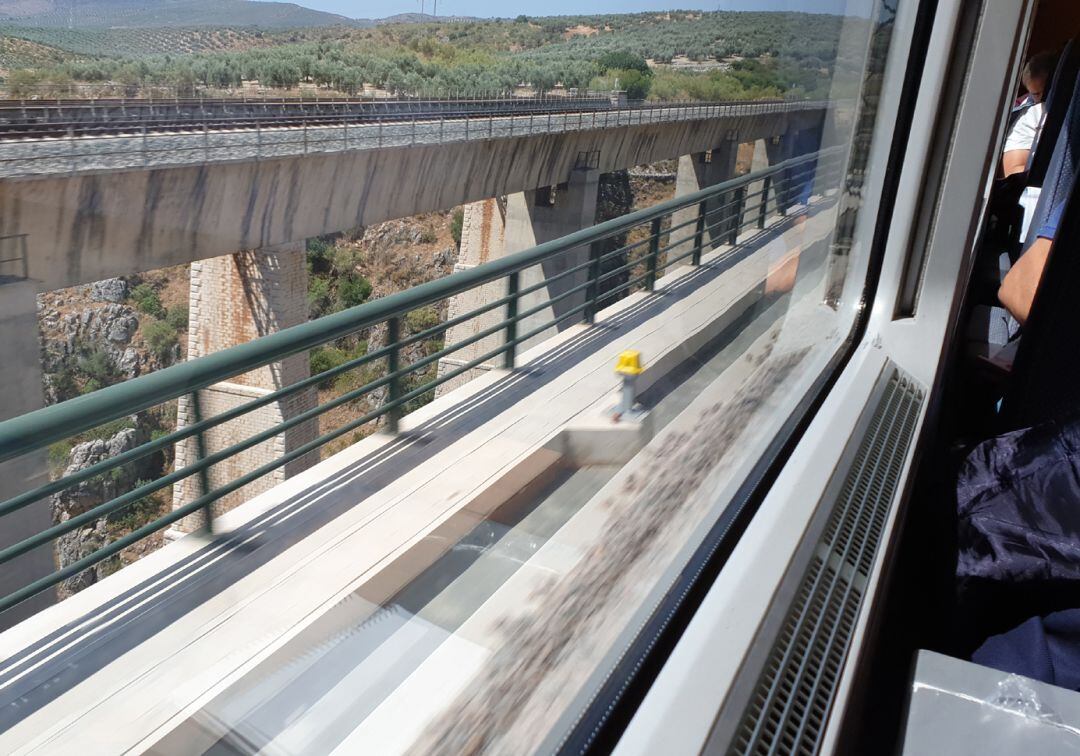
point(791, 701)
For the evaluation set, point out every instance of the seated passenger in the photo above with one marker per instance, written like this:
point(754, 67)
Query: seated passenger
point(1025, 132)
point(1017, 292)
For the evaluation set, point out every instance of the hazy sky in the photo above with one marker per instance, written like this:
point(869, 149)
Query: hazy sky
point(510, 8)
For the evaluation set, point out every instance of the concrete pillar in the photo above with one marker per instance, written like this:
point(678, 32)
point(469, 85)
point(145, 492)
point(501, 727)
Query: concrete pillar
point(760, 162)
point(543, 215)
point(491, 230)
point(483, 238)
point(234, 299)
point(21, 377)
point(697, 172)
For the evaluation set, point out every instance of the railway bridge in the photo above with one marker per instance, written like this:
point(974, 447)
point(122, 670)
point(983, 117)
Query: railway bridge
point(90, 192)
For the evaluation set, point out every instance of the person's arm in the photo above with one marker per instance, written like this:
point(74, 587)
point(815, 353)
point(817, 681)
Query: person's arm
point(1022, 281)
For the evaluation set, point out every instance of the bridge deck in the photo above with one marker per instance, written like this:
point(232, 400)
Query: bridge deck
point(121, 147)
point(182, 646)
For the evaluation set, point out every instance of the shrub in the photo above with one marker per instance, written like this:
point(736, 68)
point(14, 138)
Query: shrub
point(161, 338)
point(353, 290)
point(326, 358)
point(345, 259)
point(319, 296)
point(59, 456)
point(634, 83)
point(97, 368)
point(624, 61)
point(65, 384)
point(318, 255)
point(177, 317)
point(147, 300)
point(422, 319)
point(457, 221)
point(427, 236)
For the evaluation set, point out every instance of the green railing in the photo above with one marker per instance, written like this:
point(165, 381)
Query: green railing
point(719, 215)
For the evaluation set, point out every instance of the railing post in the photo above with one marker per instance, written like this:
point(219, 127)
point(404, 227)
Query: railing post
point(699, 233)
point(510, 355)
point(740, 199)
point(204, 472)
point(763, 211)
point(654, 253)
point(592, 291)
point(393, 336)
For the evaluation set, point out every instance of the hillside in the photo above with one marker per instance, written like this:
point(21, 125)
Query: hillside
point(110, 14)
point(662, 56)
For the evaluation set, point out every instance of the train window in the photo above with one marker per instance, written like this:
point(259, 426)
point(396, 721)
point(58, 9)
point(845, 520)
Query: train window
point(454, 517)
point(518, 634)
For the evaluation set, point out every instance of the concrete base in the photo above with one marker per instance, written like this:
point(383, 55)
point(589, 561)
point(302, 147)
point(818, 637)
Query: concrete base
point(20, 375)
point(235, 299)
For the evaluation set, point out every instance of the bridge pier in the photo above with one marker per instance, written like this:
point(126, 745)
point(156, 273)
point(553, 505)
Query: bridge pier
point(700, 171)
point(234, 299)
point(483, 238)
point(492, 229)
point(21, 377)
point(539, 216)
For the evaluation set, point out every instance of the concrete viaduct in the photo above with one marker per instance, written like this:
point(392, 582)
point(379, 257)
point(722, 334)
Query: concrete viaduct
point(239, 206)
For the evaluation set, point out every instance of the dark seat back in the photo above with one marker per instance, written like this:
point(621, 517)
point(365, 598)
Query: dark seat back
point(1045, 380)
point(1058, 98)
point(1062, 170)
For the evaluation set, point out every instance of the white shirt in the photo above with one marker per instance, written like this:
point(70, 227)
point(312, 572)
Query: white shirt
point(1026, 131)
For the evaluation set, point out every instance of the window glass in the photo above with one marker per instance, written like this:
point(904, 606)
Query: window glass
point(448, 540)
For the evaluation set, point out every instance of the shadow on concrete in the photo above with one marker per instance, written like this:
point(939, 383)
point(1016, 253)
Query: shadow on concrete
point(53, 665)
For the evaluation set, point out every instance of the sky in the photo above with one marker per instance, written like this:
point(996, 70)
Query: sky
point(511, 8)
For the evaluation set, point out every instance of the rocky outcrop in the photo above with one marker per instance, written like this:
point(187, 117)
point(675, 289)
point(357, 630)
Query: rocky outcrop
point(113, 290)
point(73, 324)
point(83, 497)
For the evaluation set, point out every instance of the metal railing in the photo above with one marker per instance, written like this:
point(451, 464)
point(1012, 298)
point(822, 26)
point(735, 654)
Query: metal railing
point(30, 119)
point(269, 138)
point(594, 278)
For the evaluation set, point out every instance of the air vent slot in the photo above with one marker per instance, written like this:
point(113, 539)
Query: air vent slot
point(791, 701)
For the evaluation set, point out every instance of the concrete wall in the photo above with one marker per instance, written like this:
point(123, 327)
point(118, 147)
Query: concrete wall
point(20, 375)
point(234, 299)
point(90, 227)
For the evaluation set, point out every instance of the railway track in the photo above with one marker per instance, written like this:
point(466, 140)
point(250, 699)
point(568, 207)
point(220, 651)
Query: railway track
point(33, 120)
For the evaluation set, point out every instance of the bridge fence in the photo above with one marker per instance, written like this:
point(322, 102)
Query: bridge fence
point(652, 244)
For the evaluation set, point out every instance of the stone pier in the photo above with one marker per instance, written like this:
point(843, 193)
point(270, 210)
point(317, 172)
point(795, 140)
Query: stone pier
point(21, 377)
point(493, 229)
point(234, 299)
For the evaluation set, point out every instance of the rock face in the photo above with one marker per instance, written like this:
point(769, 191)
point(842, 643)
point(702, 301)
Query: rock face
point(85, 496)
point(113, 290)
point(74, 325)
